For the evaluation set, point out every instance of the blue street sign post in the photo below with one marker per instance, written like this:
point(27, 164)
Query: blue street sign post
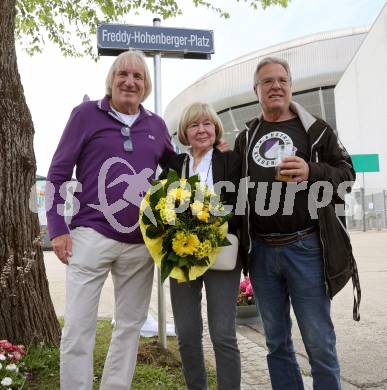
point(157, 42)
point(112, 39)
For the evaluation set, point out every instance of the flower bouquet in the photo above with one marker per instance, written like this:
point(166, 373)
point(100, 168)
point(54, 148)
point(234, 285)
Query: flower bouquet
point(245, 296)
point(13, 373)
point(184, 226)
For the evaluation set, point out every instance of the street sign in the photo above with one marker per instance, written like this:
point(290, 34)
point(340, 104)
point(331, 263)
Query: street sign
point(112, 39)
point(365, 162)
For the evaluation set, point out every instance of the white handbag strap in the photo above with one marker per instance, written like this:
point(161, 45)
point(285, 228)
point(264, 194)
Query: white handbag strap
point(184, 168)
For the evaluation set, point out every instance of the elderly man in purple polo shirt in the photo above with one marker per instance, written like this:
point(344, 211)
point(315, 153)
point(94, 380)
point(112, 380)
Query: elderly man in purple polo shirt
point(116, 146)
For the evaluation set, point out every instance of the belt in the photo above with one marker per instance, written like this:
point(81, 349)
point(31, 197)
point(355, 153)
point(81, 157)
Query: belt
point(284, 239)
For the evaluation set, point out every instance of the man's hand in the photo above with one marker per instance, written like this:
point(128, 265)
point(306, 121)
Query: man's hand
point(296, 167)
point(62, 246)
point(223, 145)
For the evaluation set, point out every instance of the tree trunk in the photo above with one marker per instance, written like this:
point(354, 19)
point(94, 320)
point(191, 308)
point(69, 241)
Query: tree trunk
point(26, 311)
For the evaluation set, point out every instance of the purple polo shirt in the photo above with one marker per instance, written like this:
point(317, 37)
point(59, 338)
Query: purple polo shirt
point(112, 180)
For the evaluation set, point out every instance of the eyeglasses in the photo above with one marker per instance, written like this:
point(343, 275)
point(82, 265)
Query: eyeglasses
point(269, 82)
point(128, 145)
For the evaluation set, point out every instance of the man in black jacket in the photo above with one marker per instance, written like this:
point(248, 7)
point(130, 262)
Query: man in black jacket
point(298, 248)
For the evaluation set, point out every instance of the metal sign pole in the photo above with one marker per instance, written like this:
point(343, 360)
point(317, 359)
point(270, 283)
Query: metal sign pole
point(162, 327)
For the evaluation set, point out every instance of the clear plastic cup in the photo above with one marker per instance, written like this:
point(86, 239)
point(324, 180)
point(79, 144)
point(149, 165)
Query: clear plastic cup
point(282, 152)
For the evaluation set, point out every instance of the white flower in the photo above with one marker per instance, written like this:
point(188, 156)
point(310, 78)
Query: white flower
point(6, 381)
point(11, 367)
point(2, 357)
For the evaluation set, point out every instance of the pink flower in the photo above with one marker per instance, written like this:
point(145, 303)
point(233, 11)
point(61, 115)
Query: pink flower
point(244, 283)
point(17, 356)
point(5, 344)
point(245, 296)
point(249, 290)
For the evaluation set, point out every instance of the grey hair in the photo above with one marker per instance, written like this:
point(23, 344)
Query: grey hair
point(130, 57)
point(271, 60)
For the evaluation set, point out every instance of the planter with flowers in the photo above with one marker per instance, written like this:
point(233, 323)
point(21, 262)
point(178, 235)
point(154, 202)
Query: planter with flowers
point(13, 373)
point(247, 312)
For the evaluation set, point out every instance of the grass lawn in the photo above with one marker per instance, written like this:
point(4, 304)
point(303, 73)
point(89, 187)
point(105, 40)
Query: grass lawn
point(155, 368)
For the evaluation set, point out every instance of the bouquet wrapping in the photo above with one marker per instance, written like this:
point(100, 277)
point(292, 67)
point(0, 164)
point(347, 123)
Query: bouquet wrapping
point(184, 225)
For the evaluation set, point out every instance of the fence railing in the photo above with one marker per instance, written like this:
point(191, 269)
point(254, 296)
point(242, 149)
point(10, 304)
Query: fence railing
point(367, 209)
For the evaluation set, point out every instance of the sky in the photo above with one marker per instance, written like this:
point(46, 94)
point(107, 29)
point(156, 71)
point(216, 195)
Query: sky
point(53, 85)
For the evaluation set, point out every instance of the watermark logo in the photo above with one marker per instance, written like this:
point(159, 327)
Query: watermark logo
point(137, 185)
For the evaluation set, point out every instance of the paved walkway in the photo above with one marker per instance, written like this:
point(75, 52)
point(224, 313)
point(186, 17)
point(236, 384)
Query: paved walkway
point(361, 346)
point(253, 354)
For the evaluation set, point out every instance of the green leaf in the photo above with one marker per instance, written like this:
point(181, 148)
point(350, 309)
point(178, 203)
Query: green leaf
point(186, 273)
point(172, 176)
point(224, 242)
point(154, 231)
point(174, 258)
point(157, 192)
point(183, 262)
point(193, 180)
point(145, 219)
point(166, 268)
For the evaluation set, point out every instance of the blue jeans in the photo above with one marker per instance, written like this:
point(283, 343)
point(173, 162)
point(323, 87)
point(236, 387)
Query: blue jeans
point(293, 273)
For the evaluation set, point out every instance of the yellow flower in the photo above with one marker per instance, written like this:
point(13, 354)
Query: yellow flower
point(203, 215)
point(183, 245)
point(161, 204)
point(168, 216)
point(204, 249)
point(167, 212)
point(196, 207)
point(179, 194)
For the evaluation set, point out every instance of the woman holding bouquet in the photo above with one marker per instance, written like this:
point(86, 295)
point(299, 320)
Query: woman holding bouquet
point(201, 129)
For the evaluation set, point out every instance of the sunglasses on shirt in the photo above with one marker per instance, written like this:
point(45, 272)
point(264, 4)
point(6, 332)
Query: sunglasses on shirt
point(128, 145)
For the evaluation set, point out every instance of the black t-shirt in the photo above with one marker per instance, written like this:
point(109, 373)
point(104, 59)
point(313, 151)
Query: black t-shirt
point(267, 199)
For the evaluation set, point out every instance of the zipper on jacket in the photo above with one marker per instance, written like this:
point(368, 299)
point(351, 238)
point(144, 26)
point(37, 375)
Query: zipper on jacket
point(324, 264)
point(247, 192)
point(314, 144)
point(320, 234)
point(247, 147)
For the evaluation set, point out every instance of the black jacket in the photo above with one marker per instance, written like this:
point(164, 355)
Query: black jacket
point(226, 166)
point(330, 162)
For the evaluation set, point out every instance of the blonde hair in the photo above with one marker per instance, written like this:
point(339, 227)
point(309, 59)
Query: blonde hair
point(130, 57)
point(191, 114)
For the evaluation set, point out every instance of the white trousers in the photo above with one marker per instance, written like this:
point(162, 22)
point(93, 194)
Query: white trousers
point(94, 256)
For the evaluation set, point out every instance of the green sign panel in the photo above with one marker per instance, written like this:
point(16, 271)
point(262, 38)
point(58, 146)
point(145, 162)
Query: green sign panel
point(365, 162)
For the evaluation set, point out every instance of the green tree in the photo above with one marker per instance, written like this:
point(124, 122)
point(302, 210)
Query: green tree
point(26, 311)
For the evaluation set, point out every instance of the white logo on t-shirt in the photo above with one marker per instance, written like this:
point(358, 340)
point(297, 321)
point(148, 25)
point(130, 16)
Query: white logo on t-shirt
point(265, 150)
